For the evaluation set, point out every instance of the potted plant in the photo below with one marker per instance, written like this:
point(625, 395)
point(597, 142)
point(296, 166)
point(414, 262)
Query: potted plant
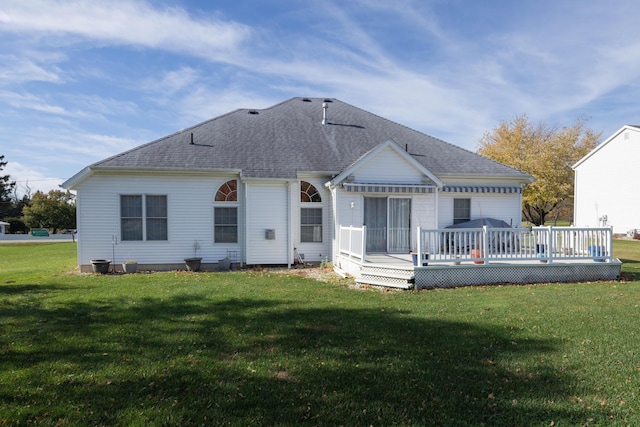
point(475, 254)
point(129, 267)
point(193, 263)
point(100, 265)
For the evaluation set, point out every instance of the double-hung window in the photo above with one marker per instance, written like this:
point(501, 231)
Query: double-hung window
point(310, 215)
point(225, 214)
point(143, 217)
point(461, 210)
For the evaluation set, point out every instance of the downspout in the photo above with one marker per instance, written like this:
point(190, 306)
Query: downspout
point(289, 225)
point(336, 224)
point(437, 212)
point(244, 246)
point(575, 197)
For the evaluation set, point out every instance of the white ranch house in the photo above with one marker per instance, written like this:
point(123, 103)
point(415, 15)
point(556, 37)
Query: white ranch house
point(281, 184)
point(604, 192)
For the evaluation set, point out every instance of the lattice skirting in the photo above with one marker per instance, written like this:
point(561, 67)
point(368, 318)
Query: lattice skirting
point(452, 276)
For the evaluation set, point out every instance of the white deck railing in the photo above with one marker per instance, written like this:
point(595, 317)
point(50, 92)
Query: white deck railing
point(352, 242)
point(484, 245)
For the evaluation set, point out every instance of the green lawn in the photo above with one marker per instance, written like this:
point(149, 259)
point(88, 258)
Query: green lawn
point(259, 348)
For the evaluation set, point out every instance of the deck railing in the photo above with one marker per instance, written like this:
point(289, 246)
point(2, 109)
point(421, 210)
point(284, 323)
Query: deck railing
point(352, 242)
point(484, 245)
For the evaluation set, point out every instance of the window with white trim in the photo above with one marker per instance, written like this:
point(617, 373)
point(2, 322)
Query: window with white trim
point(310, 216)
point(143, 217)
point(225, 218)
point(461, 210)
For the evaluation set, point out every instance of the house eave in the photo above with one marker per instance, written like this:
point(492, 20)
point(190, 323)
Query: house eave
point(85, 173)
point(604, 143)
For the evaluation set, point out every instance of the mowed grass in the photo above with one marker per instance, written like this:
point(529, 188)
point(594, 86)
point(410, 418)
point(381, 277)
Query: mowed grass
point(262, 348)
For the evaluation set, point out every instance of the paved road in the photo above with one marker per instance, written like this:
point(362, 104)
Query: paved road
point(22, 238)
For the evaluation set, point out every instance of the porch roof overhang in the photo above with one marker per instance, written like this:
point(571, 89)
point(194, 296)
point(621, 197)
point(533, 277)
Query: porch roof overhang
point(359, 187)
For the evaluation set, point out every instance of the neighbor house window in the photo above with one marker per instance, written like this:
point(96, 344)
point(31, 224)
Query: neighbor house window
point(310, 217)
point(225, 218)
point(461, 210)
point(143, 217)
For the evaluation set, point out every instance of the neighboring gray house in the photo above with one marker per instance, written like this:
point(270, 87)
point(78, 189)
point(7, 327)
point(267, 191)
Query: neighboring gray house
point(260, 186)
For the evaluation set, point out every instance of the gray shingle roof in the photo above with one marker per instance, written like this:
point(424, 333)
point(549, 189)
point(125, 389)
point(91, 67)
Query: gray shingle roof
point(287, 138)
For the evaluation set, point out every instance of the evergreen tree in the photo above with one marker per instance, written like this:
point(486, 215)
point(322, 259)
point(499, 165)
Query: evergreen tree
point(6, 190)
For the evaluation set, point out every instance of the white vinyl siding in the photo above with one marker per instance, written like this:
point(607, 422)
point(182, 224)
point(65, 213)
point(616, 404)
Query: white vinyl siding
point(389, 168)
point(506, 207)
point(268, 209)
point(604, 184)
point(189, 219)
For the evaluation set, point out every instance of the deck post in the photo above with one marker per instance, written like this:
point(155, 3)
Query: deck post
point(419, 245)
point(610, 243)
point(551, 242)
point(485, 243)
point(364, 242)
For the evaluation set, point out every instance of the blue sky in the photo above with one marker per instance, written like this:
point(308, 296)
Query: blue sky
point(83, 80)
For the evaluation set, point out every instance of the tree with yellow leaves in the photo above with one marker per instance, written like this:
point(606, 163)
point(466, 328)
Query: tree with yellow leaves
point(546, 153)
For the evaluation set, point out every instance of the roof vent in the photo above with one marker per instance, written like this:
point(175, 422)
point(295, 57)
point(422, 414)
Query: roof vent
point(328, 100)
point(253, 112)
point(191, 138)
point(325, 107)
point(306, 100)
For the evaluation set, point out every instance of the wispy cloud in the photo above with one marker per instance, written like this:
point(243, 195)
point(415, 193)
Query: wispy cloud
point(125, 22)
point(32, 102)
point(17, 69)
point(172, 81)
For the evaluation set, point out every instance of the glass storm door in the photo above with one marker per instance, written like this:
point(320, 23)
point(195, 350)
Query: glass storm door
point(375, 218)
point(399, 234)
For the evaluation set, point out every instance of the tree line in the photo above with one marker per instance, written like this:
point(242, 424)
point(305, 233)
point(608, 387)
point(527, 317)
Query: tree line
point(54, 211)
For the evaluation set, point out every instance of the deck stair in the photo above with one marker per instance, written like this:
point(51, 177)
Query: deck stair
point(389, 276)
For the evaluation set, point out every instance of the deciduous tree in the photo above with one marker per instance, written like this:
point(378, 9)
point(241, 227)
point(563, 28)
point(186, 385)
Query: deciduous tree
point(55, 210)
point(547, 153)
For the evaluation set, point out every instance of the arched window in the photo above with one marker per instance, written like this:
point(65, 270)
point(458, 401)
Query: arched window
point(310, 217)
point(228, 192)
point(308, 193)
point(225, 218)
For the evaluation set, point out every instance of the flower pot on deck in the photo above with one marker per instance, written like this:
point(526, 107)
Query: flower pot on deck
point(597, 251)
point(414, 258)
point(477, 253)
